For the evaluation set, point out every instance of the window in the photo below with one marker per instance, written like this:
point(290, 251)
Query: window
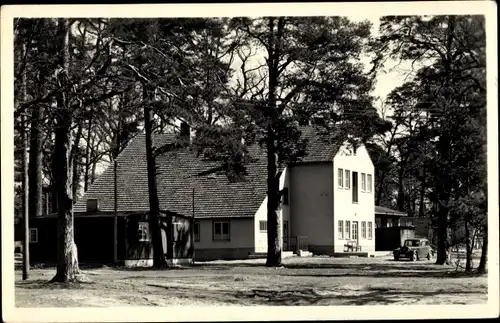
point(355, 230)
point(348, 229)
point(389, 223)
point(369, 184)
point(220, 231)
point(354, 187)
point(412, 243)
point(363, 229)
point(263, 226)
point(363, 182)
point(33, 235)
point(143, 231)
point(370, 230)
point(347, 179)
point(196, 230)
point(341, 177)
point(341, 230)
point(378, 223)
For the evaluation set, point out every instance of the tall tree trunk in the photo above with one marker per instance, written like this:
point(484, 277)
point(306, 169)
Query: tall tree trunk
point(443, 148)
point(468, 247)
point(67, 259)
point(401, 188)
point(442, 237)
point(154, 208)
point(115, 189)
point(53, 189)
point(94, 168)
point(421, 204)
point(484, 251)
point(378, 188)
point(75, 159)
point(381, 181)
point(35, 162)
point(273, 242)
point(25, 175)
point(88, 154)
point(25, 203)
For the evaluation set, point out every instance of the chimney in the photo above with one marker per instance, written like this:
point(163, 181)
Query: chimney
point(185, 134)
point(92, 205)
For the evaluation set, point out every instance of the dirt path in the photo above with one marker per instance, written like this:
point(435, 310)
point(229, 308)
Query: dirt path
point(302, 281)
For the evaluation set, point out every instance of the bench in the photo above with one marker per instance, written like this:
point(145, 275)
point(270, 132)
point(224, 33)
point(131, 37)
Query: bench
point(352, 246)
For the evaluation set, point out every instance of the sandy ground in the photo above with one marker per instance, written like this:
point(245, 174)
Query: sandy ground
point(302, 281)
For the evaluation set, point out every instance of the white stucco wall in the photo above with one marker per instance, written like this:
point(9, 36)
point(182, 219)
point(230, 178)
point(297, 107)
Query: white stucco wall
point(344, 208)
point(311, 204)
point(261, 215)
point(242, 235)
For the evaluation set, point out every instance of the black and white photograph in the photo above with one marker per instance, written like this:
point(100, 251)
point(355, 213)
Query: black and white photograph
point(292, 156)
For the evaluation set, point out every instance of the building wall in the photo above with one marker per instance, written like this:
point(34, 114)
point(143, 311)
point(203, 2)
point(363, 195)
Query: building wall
point(241, 241)
point(311, 205)
point(390, 238)
point(93, 238)
point(344, 207)
point(387, 220)
point(261, 215)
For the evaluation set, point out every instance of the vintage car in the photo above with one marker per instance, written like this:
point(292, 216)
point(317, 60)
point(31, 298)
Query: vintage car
point(414, 249)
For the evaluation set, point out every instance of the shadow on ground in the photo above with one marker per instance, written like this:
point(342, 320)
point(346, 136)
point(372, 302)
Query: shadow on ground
point(46, 284)
point(309, 296)
point(393, 274)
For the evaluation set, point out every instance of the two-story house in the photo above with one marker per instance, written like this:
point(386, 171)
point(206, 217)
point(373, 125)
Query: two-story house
point(327, 202)
point(332, 198)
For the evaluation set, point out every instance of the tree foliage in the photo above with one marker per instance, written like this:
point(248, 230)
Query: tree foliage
point(442, 111)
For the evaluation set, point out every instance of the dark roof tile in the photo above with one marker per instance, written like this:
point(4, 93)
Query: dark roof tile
point(179, 172)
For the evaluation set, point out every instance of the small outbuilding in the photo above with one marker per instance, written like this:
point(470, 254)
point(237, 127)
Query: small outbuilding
point(391, 228)
point(95, 238)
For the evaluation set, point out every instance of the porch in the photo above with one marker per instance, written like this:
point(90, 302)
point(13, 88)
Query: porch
point(295, 244)
point(291, 246)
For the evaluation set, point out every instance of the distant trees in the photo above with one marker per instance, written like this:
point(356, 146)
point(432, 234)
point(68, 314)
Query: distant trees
point(446, 101)
point(62, 79)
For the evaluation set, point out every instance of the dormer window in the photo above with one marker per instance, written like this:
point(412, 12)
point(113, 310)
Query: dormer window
point(92, 205)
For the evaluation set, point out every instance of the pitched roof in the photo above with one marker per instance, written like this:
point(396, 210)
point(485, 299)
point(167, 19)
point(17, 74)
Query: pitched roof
point(320, 147)
point(386, 211)
point(180, 172)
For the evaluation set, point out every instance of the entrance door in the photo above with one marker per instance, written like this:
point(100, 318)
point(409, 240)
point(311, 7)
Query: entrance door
point(285, 236)
point(355, 232)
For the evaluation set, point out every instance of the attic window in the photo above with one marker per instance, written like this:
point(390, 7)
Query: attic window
point(92, 205)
